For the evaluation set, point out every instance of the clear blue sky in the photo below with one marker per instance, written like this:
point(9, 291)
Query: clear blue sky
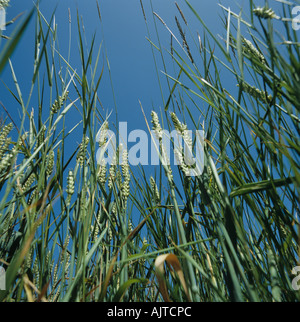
point(123, 32)
point(128, 51)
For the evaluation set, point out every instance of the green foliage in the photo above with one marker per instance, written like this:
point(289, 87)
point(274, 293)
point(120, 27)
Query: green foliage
point(66, 222)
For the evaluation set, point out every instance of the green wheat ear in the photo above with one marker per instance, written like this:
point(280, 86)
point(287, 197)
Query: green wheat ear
point(4, 3)
point(233, 229)
point(265, 13)
point(155, 191)
point(125, 188)
point(81, 155)
point(102, 173)
point(250, 48)
point(6, 161)
point(156, 125)
point(70, 186)
point(50, 163)
point(4, 140)
point(59, 103)
point(256, 93)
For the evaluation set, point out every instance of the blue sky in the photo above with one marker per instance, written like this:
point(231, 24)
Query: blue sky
point(123, 36)
point(129, 53)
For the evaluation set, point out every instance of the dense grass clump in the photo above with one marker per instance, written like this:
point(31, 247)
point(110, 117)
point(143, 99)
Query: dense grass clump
point(74, 229)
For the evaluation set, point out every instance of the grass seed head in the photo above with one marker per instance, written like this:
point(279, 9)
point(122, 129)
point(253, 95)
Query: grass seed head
point(5, 161)
point(179, 127)
point(50, 163)
point(257, 93)
point(156, 125)
point(154, 190)
point(103, 134)
point(102, 173)
point(126, 175)
point(181, 163)
point(70, 183)
point(26, 186)
point(4, 3)
point(58, 103)
point(249, 47)
point(265, 13)
point(81, 156)
point(4, 140)
point(112, 174)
